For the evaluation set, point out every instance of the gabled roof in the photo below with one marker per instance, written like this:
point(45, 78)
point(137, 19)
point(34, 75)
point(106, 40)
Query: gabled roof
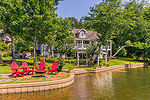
point(90, 35)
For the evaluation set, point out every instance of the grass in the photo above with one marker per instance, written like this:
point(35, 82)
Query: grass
point(122, 61)
point(5, 70)
point(5, 67)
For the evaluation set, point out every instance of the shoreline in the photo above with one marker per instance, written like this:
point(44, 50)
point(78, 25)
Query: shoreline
point(50, 85)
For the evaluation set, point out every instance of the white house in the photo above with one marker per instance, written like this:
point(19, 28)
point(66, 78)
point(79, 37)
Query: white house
point(83, 39)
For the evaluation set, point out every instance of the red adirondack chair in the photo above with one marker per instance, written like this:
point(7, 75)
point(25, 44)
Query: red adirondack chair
point(26, 67)
point(41, 67)
point(54, 68)
point(15, 70)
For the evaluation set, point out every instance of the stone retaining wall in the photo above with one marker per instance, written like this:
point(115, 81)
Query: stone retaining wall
point(115, 67)
point(84, 71)
point(36, 86)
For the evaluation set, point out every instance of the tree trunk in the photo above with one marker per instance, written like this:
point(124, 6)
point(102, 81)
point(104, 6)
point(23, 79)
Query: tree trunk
point(49, 51)
point(52, 51)
point(13, 49)
point(1, 60)
point(120, 50)
point(34, 54)
point(43, 50)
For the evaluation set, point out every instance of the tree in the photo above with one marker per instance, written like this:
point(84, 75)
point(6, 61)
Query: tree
point(56, 2)
point(10, 14)
point(21, 45)
point(3, 47)
point(90, 52)
point(35, 14)
point(64, 39)
point(50, 32)
point(133, 29)
point(104, 19)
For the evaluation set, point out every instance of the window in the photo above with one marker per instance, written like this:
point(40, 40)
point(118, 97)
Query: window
point(82, 33)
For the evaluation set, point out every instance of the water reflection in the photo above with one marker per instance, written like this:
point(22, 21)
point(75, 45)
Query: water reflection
point(104, 85)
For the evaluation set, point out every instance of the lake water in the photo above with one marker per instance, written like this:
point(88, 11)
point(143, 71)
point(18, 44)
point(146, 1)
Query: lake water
point(128, 84)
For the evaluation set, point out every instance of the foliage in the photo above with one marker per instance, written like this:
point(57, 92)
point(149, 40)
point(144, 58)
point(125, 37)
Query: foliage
point(61, 64)
point(23, 46)
point(91, 51)
point(11, 12)
point(3, 46)
point(35, 20)
point(64, 38)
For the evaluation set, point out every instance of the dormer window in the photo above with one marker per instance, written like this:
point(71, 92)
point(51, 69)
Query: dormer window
point(82, 34)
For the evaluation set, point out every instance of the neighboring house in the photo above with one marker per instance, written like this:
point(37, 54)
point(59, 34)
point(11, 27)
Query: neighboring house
point(83, 39)
point(43, 49)
point(5, 38)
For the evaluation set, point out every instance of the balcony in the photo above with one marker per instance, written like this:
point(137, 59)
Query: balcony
point(104, 48)
point(80, 46)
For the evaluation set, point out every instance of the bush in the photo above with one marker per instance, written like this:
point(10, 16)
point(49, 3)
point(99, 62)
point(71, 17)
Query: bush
point(70, 57)
point(82, 62)
point(5, 55)
point(50, 61)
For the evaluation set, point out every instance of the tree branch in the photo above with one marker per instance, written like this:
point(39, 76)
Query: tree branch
point(120, 50)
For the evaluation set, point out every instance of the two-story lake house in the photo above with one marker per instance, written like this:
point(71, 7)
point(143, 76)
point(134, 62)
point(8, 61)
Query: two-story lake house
point(83, 39)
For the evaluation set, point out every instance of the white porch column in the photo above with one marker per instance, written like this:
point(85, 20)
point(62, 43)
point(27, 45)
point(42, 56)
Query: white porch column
point(75, 43)
point(78, 58)
point(110, 48)
point(82, 44)
point(105, 58)
point(90, 42)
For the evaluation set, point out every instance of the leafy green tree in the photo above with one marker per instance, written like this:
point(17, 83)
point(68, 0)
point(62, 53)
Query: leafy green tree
point(22, 46)
point(64, 39)
point(50, 32)
point(104, 19)
point(10, 14)
point(133, 29)
point(3, 47)
point(56, 2)
point(35, 14)
point(90, 52)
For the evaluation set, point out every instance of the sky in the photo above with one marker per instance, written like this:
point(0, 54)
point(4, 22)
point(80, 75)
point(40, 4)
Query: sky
point(76, 8)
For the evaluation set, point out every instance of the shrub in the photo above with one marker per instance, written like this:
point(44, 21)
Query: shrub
point(82, 62)
point(5, 55)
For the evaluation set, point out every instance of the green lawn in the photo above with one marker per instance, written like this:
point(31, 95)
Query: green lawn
point(5, 68)
point(122, 61)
